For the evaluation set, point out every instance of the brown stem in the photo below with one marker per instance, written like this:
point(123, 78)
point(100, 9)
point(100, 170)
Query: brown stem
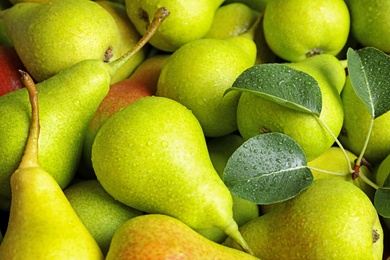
point(30, 157)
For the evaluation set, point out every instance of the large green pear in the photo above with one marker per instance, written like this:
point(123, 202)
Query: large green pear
point(200, 85)
point(156, 236)
point(332, 219)
point(257, 115)
point(370, 23)
point(55, 35)
point(152, 156)
point(189, 20)
point(42, 224)
point(297, 29)
point(99, 211)
point(356, 127)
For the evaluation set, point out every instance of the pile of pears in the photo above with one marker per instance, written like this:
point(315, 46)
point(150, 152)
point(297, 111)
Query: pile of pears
point(116, 143)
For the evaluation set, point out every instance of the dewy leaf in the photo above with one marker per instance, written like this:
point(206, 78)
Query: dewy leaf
point(267, 168)
point(382, 199)
point(282, 84)
point(369, 71)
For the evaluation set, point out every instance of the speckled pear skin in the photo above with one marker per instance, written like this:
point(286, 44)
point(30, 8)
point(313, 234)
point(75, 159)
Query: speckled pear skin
point(156, 236)
point(52, 36)
point(320, 223)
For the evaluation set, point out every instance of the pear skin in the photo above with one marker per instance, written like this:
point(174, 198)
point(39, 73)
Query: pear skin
point(42, 224)
point(326, 221)
point(10, 63)
point(152, 156)
point(143, 82)
point(156, 236)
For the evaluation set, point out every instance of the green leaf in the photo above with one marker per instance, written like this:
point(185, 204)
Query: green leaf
point(268, 168)
point(369, 70)
point(282, 84)
point(382, 199)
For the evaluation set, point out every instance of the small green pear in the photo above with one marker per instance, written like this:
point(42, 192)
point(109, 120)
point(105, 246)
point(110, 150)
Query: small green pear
point(189, 20)
point(128, 37)
point(326, 221)
point(257, 115)
point(42, 224)
point(297, 29)
point(47, 43)
point(232, 20)
point(68, 102)
point(356, 127)
point(333, 164)
point(200, 85)
point(99, 211)
point(152, 156)
point(156, 236)
point(370, 23)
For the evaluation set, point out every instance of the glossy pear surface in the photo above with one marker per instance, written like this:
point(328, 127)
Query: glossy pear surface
point(200, 85)
point(47, 43)
point(189, 20)
point(156, 236)
point(319, 223)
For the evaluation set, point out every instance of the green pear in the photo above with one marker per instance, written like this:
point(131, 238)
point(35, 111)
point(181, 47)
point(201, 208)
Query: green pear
point(42, 224)
point(370, 23)
point(47, 43)
point(200, 85)
point(128, 37)
point(156, 236)
point(319, 223)
point(297, 29)
point(189, 20)
point(143, 82)
point(381, 173)
point(333, 164)
point(257, 115)
point(232, 20)
point(152, 156)
point(356, 127)
point(68, 102)
point(99, 211)
point(220, 150)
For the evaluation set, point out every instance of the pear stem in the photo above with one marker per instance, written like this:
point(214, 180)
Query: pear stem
point(232, 230)
point(158, 18)
point(30, 157)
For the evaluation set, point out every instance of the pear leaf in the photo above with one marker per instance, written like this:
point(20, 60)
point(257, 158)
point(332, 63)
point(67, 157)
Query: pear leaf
point(267, 168)
point(382, 199)
point(369, 73)
point(282, 84)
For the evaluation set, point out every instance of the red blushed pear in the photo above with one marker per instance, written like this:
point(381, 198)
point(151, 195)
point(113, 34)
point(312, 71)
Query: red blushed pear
point(10, 64)
point(143, 82)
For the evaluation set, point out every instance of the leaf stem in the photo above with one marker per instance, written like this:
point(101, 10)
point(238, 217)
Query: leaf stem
point(337, 141)
point(359, 160)
point(328, 172)
point(368, 181)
